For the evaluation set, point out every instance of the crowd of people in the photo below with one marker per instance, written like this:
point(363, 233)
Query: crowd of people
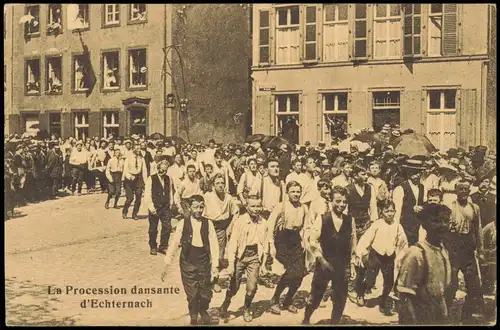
point(254, 211)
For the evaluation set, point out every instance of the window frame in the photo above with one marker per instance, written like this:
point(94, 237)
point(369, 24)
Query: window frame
point(49, 114)
point(105, 23)
point(268, 45)
point(129, 87)
point(324, 129)
point(130, 21)
point(73, 74)
point(131, 124)
point(442, 111)
point(315, 24)
point(74, 113)
point(298, 27)
point(336, 22)
point(366, 38)
point(441, 100)
point(26, 26)
point(49, 22)
point(87, 28)
point(40, 78)
point(278, 114)
point(387, 19)
point(374, 107)
point(430, 16)
point(105, 89)
point(116, 125)
point(47, 75)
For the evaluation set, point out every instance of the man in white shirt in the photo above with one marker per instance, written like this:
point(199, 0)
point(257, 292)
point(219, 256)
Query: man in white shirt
point(309, 181)
point(134, 178)
point(297, 171)
point(223, 167)
point(247, 249)
point(187, 188)
point(127, 150)
point(196, 238)
point(158, 196)
point(344, 178)
point(79, 160)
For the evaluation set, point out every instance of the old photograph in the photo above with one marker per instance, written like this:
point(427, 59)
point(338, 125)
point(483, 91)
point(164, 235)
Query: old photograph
point(247, 164)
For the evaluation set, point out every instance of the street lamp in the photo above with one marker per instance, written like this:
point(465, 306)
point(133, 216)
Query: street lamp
point(184, 104)
point(170, 101)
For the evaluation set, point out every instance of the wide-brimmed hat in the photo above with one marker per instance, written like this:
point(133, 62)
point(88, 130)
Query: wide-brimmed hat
point(413, 164)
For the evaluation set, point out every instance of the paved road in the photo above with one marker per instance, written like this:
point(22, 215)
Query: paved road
point(74, 241)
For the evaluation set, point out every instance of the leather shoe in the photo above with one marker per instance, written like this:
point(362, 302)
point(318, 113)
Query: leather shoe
point(360, 301)
point(247, 315)
point(153, 252)
point(162, 251)
point(106, 205)
point(292, 309)
point(124, 216)
point(306, 322)
point(135, 217)
point(275, 309)
point(205, 318)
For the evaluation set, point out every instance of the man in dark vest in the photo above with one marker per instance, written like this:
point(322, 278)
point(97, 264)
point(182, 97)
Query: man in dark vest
point(199, 259)
point(408, 198)
point(332, 241)
point(158, 196)
point(484, 198)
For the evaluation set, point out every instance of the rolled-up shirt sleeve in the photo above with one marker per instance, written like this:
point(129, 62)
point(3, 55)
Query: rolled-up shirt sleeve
point(411, 272)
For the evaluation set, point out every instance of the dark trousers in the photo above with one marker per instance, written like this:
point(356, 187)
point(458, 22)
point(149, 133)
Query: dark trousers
point(78, 174)
point(366, 276)
point(115, 187)
point(89, 179)
point(466, 263)
point(133, 189)
point(55, 183)
point(339, 279)
point(67, 181)
point(489, 277)
point(164, 217)
point(103, 182)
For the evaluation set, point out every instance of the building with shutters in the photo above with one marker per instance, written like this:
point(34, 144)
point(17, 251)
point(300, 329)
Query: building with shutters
point(122, 69)
point(323, 70)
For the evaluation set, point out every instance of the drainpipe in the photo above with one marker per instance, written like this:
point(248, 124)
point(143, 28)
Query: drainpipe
point(165, 74)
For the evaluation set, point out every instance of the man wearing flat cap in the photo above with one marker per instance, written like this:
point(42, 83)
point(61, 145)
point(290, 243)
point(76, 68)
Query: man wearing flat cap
point(408, 198)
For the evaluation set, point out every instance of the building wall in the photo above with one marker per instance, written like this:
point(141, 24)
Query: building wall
point(215, 47)
point(150, 35)
point(491, 101)
point(8, 76)
point(463, 71)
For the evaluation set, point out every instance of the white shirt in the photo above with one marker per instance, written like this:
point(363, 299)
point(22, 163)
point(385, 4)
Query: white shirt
point(294, 176)
point(382, 237)
point(309, 187)
point(341, 180)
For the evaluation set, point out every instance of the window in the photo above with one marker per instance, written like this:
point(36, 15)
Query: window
point(412, 30)
point(55, 124)
point(111, 124)
point(310, 40)
point(287, 35)
point(360, 31)
point(81, 125)
point(138, 122)
point(81, 74)
point(53, 75)
point(111, 70)
point(386, 108)
point(32, 20)
point(32, 77)
point(138, 69)
point(31, 123)
point(138, 13)
point(83, 17)
point(336, 33)
point(387, 27)
point(435, 28)
point(441, 118)
point(54, 19)
point(264, 36)
point(287, 117)
point(111, 14)
point(335, 116)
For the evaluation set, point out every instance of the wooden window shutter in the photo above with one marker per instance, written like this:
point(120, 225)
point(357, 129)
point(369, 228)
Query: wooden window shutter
point(319, 34)
point(450, 29)
point(272, 33)
point(14, 123)
point(94, 123)
point(264, 36)
point(66, 126)
point(360, 31)
point(468, 109)
point(310, 33)
point(122, 119)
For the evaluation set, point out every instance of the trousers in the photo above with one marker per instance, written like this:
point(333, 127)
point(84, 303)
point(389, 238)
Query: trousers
point(250, 265)
point(162, 215)
point(133, 189)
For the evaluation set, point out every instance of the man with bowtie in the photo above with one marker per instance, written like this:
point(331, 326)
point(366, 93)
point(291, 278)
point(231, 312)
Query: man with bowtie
point(158, 196)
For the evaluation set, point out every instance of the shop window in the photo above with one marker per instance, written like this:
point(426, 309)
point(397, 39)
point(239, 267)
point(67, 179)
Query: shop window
point(54, 19)
point(111, 70)
point(32, 77)
point(287, 117)
point(138, 12)
point(386, 108)
point(335, 116)
point(53, 75)
point(287, 35)
point(110, 124)
point(336, 33)
point(138, 70)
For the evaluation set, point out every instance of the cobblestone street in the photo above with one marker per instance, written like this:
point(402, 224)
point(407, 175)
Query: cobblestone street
point(75, 242)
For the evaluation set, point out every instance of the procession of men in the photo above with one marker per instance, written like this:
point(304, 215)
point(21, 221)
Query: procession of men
point(274, 213)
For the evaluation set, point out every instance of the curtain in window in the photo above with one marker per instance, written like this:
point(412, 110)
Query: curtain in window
point(336, 42)
point(288, 41)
